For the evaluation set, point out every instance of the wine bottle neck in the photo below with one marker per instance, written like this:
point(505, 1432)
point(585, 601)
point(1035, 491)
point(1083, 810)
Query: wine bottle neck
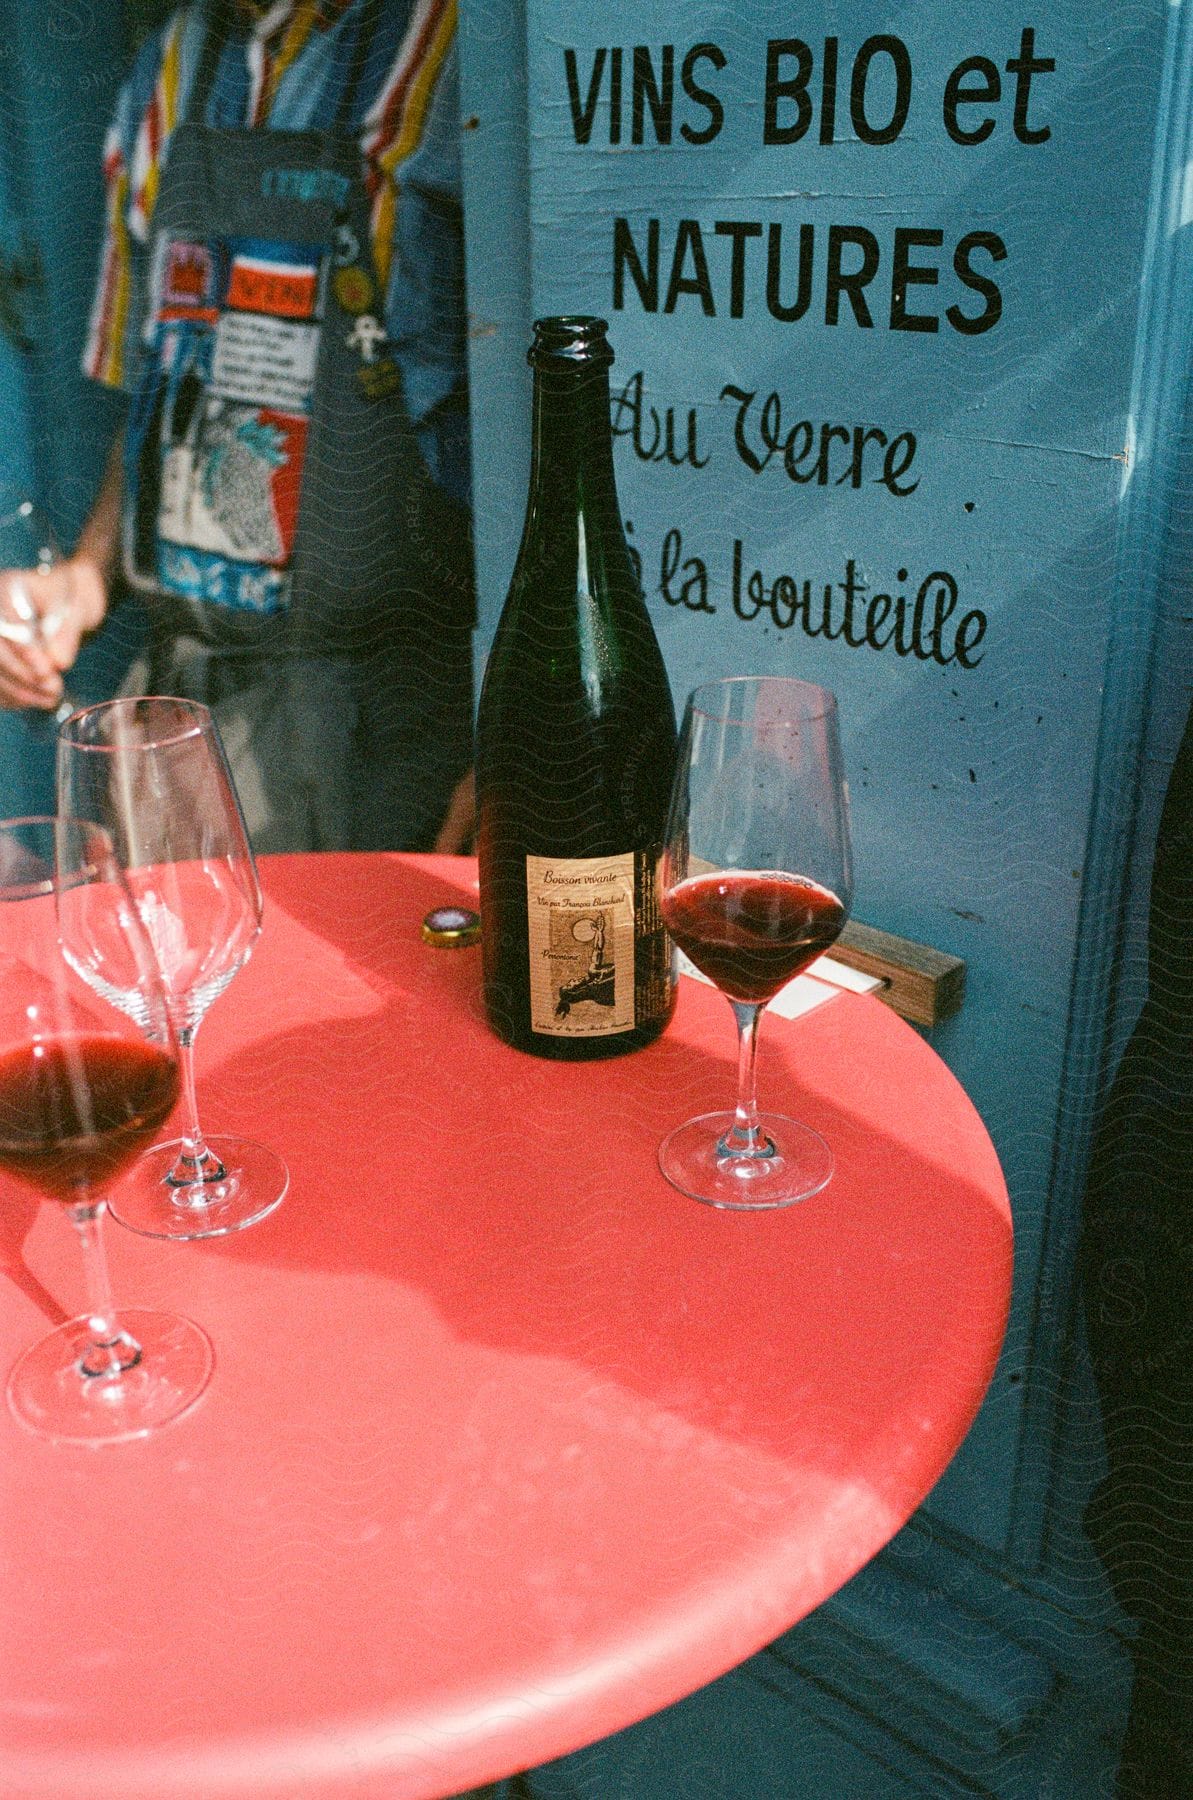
point(572, 444)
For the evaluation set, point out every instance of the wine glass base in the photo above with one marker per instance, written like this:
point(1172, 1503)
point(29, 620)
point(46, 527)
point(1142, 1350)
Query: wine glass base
point(50, 1396)
point(254, 1183)
point(798, 1165)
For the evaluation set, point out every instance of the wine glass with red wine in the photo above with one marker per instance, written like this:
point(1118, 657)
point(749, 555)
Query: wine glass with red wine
point(756, 883)
point(88, 1073)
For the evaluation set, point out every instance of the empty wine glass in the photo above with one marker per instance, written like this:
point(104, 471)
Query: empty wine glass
point(756, 883)
point(85, 1081)
point(32, 610)
point(153, 774)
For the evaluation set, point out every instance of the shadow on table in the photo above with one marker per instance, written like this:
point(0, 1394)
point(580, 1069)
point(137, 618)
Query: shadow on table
point(18, 1211)
point(500, 1173)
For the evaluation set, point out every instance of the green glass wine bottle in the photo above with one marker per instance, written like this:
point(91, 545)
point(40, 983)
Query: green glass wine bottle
point(575, 744)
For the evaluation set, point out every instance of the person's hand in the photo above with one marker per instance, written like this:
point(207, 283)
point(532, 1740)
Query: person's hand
point(459, 824)
point(44, 616)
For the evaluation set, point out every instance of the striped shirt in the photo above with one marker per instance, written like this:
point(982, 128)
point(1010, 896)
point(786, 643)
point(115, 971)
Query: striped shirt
point(285, 67)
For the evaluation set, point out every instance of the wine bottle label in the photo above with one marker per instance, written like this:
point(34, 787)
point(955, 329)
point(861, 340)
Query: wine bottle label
point(656, 968)
point(580, 920)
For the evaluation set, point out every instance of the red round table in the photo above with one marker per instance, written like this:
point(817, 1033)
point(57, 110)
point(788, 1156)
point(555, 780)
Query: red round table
point(508, 1444)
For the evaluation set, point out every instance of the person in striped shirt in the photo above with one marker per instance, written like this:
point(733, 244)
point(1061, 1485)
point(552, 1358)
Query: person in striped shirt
point(281, 297)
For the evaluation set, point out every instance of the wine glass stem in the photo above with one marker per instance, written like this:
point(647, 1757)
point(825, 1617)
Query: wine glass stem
point(110, 1351)
point(195, 1162)
point(746, 1137)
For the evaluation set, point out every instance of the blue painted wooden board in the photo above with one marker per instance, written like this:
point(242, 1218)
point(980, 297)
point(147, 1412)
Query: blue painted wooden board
point(1006, 344)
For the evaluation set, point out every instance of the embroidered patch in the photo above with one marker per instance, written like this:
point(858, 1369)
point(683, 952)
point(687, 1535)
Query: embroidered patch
point(353, 290)
point(310, 186)
point(265, 360)
point(379, 378)
point(231, 486)
point(284, 290)
point(189, 277)
point(366, 336)
point(243, 587)
point(345, 245)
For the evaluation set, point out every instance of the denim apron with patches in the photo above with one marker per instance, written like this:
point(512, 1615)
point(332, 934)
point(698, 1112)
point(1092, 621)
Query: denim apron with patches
point(303, 574)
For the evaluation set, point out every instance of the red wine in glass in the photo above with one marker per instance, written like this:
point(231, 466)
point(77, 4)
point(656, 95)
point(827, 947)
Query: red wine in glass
point(75, 1110)
point(89, 1072)
point(751, 932)
point(756, 883)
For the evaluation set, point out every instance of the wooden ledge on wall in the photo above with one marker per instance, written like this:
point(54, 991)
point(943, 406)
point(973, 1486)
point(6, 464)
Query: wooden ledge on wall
point(922, 985)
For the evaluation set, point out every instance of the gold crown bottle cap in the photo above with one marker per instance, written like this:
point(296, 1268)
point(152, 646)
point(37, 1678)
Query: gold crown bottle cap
point(450, 927)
